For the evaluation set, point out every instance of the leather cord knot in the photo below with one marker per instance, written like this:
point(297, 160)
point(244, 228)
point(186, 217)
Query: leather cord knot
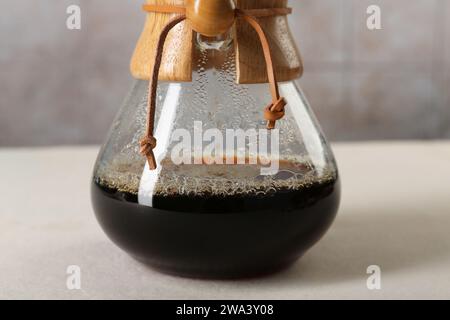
point(274, 111)
point(148, 144)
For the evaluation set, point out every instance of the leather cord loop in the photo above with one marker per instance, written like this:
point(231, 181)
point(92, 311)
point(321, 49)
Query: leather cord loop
point(275, 112)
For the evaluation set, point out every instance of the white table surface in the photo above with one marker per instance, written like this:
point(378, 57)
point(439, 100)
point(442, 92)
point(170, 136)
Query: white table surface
point(395, 213)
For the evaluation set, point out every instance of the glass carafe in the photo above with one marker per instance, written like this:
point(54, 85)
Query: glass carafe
point(229, 198)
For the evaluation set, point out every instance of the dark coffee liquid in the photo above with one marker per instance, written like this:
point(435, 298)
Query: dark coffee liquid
point(240, 233)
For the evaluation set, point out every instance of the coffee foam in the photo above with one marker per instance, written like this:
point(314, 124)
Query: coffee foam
point(217, 180)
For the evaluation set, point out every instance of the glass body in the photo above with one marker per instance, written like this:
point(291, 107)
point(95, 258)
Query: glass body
point(195, 215)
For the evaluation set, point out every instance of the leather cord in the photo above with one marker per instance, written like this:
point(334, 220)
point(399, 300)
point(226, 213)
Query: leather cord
point(148, 143)
point(273, 112)
point(258, 13)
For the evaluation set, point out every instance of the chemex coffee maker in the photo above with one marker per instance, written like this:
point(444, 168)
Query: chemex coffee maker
point(215, 166)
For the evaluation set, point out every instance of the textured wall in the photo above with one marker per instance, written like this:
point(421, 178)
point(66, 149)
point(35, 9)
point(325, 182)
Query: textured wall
point(64, 87)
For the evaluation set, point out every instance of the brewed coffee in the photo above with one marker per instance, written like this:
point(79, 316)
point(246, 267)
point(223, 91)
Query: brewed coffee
point(220, 221)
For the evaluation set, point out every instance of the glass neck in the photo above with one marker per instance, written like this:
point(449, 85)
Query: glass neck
point(219, 43)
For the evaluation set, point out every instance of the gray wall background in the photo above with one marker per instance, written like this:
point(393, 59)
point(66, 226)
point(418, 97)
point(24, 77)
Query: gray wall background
point(63, 87)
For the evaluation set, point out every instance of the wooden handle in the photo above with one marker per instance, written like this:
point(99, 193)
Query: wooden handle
point(210, 17)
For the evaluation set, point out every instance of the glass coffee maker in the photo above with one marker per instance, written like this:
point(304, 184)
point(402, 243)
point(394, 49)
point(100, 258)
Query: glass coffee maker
point(200, 176)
